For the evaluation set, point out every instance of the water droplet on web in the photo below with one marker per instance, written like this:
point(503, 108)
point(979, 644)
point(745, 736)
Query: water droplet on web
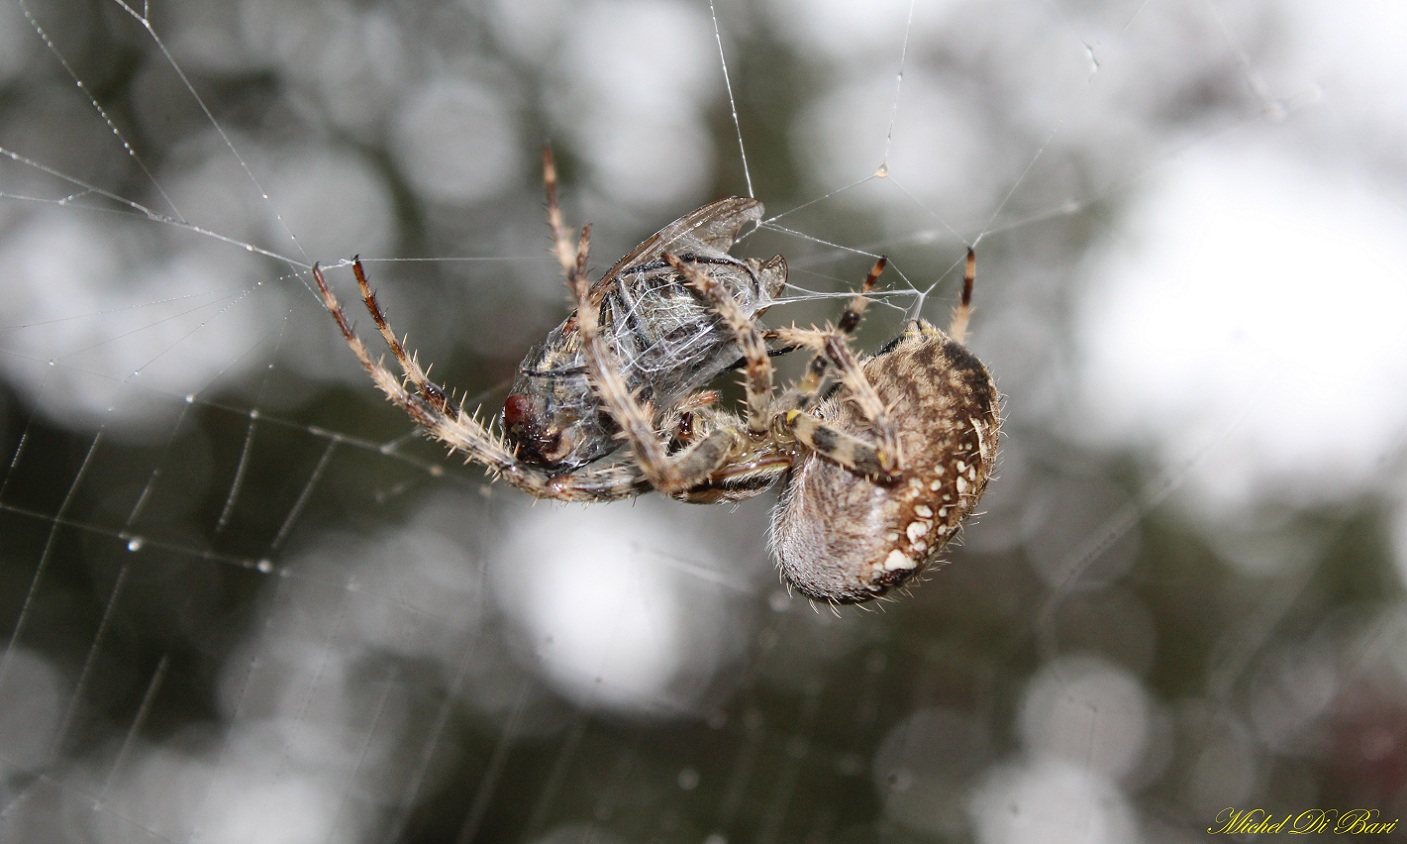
point(264, 566)
point(135, 543)
point(883, 171)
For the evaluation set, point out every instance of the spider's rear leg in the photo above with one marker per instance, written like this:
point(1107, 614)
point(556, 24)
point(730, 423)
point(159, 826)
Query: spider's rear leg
point(957, 327)
point(881, 458)
point(855, 308)
point(803, 394)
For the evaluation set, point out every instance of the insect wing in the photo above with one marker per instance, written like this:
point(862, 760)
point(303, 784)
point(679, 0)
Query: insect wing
point(712, 228)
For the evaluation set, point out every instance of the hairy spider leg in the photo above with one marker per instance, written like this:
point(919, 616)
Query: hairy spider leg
point(880, 459)
point(957, 327)
point(804, 393)
point(561, 235)
point(429, 406)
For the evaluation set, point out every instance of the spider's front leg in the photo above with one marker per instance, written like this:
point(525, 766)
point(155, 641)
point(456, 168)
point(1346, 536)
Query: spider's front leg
point(428, 405)
point(561, 235)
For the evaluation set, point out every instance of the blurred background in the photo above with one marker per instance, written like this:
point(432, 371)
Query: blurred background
point(244, 601)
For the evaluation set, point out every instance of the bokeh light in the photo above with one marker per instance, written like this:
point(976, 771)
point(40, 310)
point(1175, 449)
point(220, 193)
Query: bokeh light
point(245, 601)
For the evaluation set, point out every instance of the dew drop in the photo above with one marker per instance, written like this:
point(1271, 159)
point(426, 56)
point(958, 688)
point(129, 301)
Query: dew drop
point(135, 543)
point(265, 565)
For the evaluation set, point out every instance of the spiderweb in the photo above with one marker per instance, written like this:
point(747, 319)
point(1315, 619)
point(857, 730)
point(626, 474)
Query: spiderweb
point(244, 601)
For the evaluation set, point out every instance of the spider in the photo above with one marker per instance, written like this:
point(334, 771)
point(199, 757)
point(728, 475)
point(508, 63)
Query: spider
point(670, 342)
point(879, 474)
point(883, 456)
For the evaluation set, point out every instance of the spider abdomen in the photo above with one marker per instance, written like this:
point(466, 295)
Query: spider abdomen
point(845, 541)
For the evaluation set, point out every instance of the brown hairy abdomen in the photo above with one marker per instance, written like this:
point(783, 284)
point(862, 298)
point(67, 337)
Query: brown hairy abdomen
point(845, 539)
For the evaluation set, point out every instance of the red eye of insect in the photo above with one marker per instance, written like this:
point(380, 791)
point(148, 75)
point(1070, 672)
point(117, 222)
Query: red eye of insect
point(516, 409)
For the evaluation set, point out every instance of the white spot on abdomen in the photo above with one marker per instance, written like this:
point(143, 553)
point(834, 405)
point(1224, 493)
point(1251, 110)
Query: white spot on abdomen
point(898, 560)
